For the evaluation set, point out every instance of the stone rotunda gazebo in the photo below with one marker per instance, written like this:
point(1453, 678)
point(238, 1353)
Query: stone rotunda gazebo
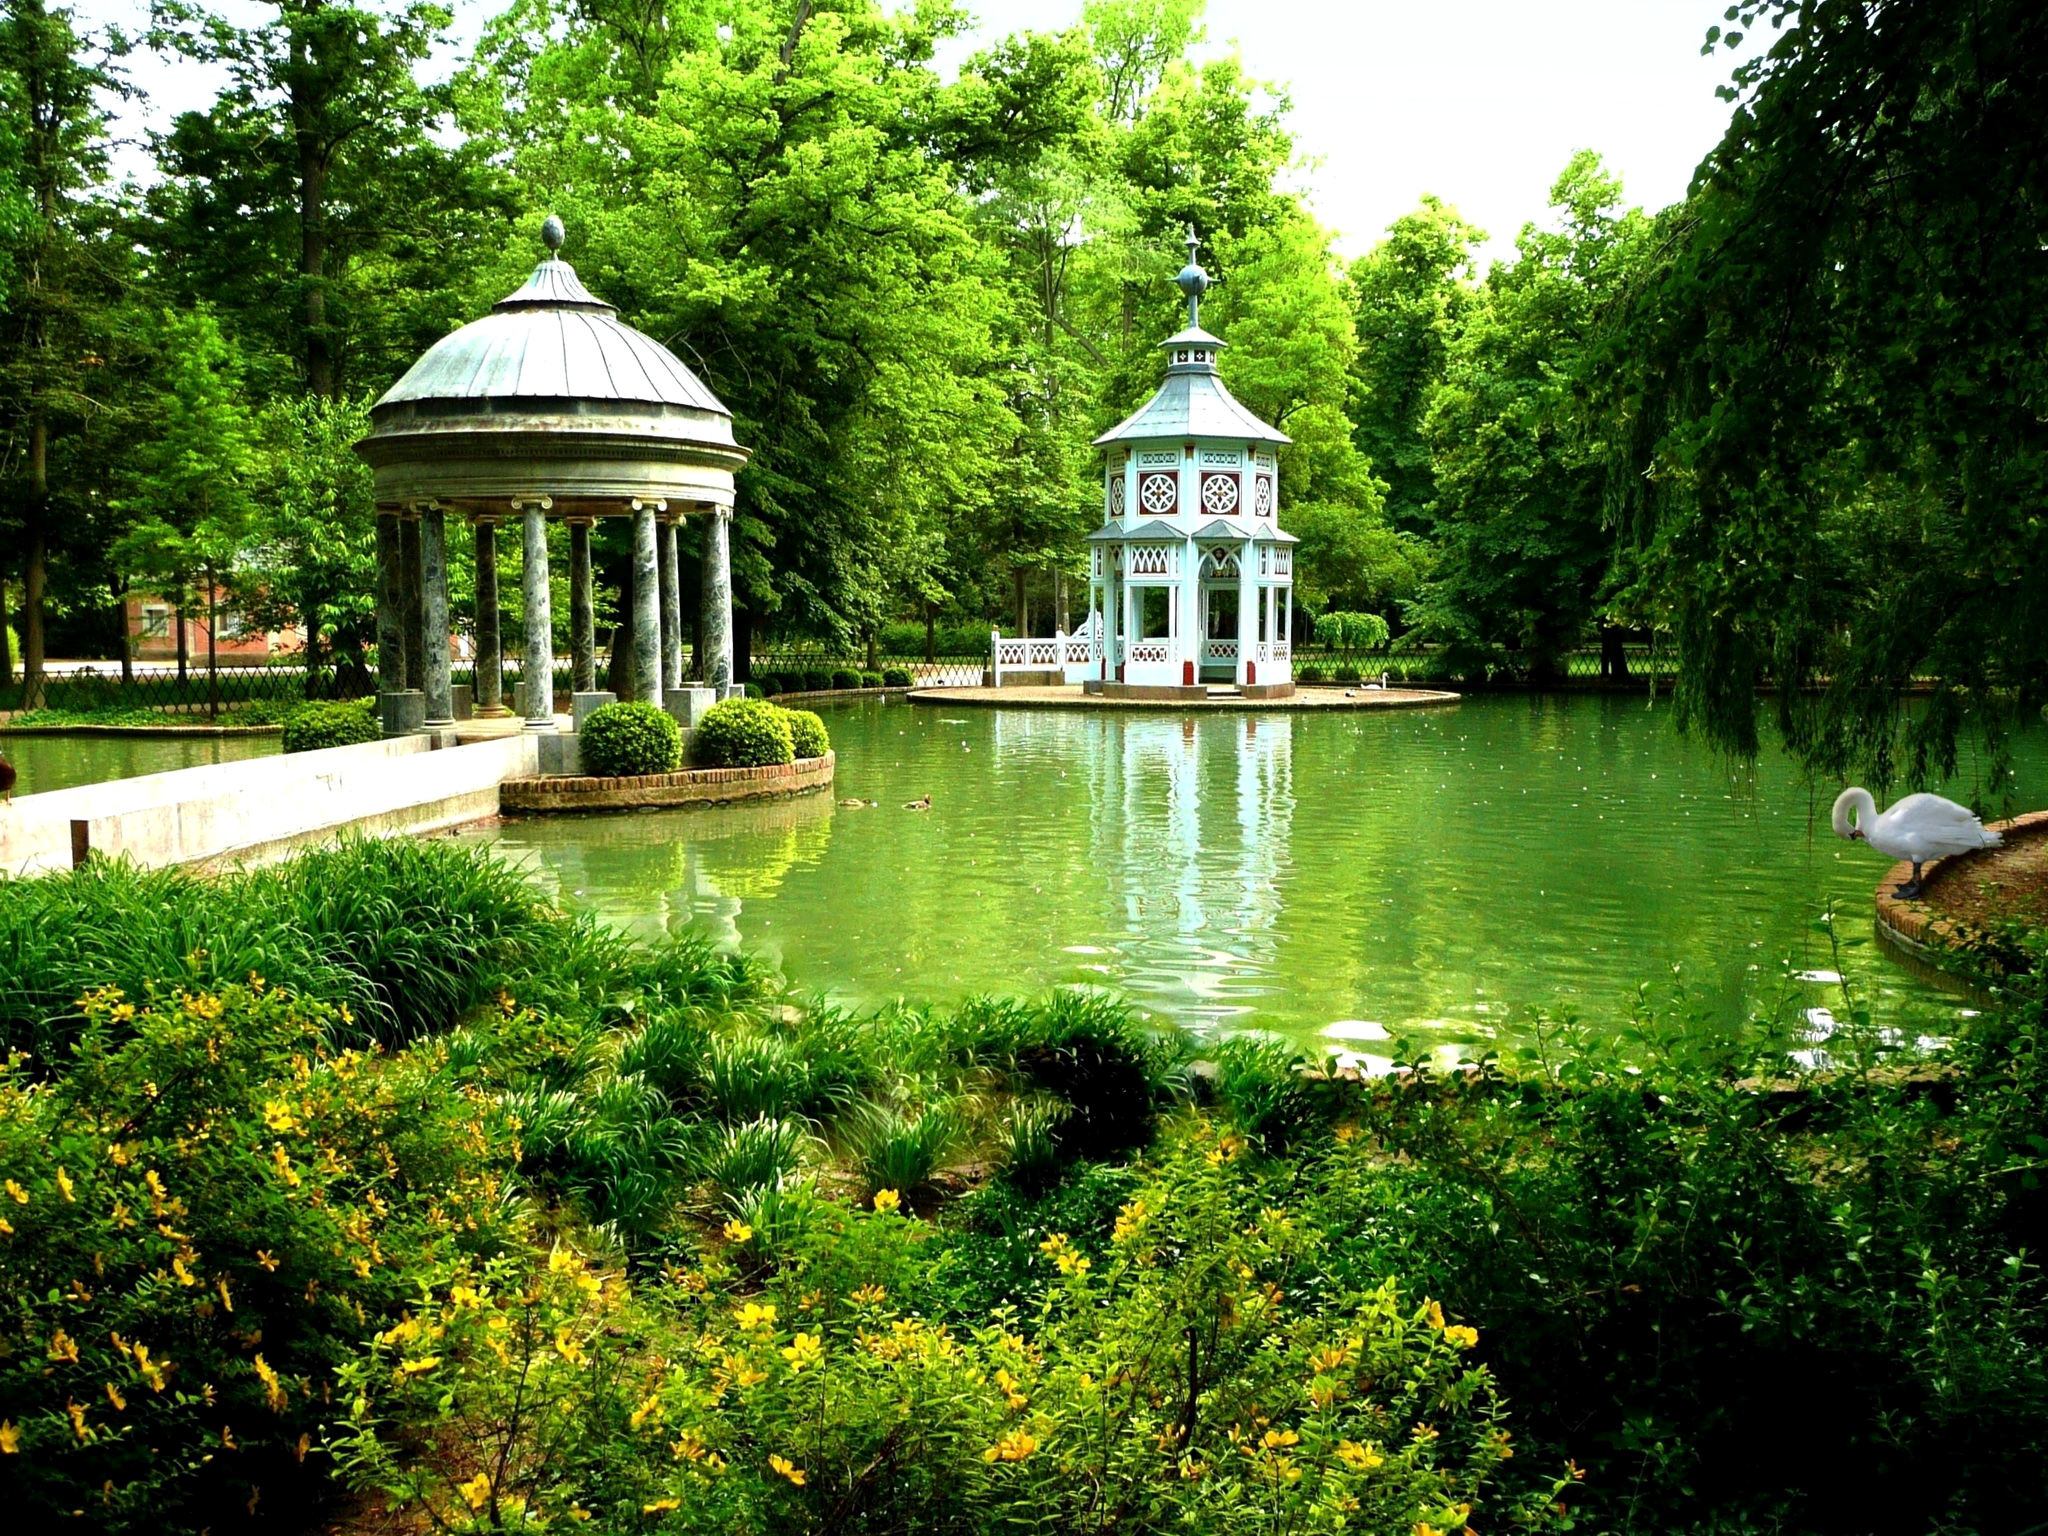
point(1191, 580)
point(547, 407)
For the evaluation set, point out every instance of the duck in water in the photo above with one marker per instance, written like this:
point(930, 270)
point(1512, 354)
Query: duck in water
point(918, 805)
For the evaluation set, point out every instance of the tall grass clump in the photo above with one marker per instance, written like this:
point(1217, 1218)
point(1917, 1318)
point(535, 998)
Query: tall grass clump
point(1260, 1084)
point(893, 1150)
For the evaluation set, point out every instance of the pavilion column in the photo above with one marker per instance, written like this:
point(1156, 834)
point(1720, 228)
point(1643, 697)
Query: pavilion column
point(647, 669)
point(390, 590)
point(582, 610)
point(488, 693)
point(412, 597)
point(537, 665)
point(716, 600)
point(1247, 612)
point(439, 684)
point(671, 607)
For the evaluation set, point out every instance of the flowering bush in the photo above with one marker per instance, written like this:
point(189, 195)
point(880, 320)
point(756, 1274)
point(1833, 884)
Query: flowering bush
point(1173, 1380)
point(203, 1212)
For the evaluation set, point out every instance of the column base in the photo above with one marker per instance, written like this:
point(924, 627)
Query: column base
point(401, 713)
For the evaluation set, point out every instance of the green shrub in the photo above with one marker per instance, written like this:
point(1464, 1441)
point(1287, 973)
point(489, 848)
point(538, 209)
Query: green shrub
point(1311, 672)
point(1259, 1082)
point(759, 1152)
point(892, 1150)
point(807, 733)
point(1028, 1141)
point(753, 690)
point(340, 723)
point(845, 677)
point(871, 679)
point(620, 740)
point(764, 685)
point(896, 677)
point(743, 733)
point(818, 681)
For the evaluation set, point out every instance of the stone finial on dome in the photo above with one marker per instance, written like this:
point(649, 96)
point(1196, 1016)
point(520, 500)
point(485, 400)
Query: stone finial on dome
point(1192, 280)
point(553, 233)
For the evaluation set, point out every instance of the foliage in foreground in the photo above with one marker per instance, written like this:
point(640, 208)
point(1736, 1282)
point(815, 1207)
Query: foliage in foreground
point(205, 1211)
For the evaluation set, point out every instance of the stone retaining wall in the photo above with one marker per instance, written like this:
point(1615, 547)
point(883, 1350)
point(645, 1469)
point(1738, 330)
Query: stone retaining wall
point(690, 786)
point(1917, 926)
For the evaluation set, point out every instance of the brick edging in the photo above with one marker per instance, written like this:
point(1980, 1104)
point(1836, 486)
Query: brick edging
point(1915, 925)
point(686, 786)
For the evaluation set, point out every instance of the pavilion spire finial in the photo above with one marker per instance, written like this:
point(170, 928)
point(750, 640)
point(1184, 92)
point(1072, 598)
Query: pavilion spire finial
point(1193, 281)
point(552, 234)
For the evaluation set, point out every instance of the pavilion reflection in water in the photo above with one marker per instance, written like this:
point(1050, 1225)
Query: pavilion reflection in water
point(1190, 835)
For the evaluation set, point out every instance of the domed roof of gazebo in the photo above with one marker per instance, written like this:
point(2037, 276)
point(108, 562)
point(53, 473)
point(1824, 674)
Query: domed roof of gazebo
point(551, 394)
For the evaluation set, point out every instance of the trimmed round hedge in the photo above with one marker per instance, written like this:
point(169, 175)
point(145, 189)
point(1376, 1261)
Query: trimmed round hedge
point(622, 740)
point(807, 733)
point(845, 677)
point(743, 733)
point(340, 723)
point(895, 677)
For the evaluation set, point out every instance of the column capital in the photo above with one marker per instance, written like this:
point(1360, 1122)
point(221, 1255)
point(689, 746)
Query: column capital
point(544, 503)
point(646, 504)
point(486, 519)
point(413, 510)
point(580, 520)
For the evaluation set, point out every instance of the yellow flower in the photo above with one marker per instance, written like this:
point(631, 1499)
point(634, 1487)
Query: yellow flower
point(283, 1165)
point(6, 1227)
point(184, 1274)
point(476, 1493)
point(1462, 1336)
point(1361, 1457)
point(1071, 1263)
point(1129, 1221)
point(1014, 1446)
point(1276, 1438)
point(737, 1231)
point(1433, 1314)
point(688, 1448)
point(651, 1409)
point(114, 1396)
point(62, 1347)
point(10, 1438)
point(564, 1261)
point(887, 1200)
point(278, 1116)
point(870, 1296)
point(420, 1366)
point(77, 1412)
point(1008, 1384)
point(19, 1194)
point(754, 1315)
point(227, 1299)
point(658, 1507)
point(1347, 1132)
point(273, 1387)
point(568, 1348)
point(1054, 1245)
point(1424, 1528)
point(787, 1468)
point(267, 1259)
point(805, 1349)
point(65, 1186)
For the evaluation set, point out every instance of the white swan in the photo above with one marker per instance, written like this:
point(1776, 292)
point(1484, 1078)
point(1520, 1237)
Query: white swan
point(1919, 828)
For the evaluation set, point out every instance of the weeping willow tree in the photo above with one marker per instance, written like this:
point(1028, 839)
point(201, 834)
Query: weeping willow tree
point(1825, 403)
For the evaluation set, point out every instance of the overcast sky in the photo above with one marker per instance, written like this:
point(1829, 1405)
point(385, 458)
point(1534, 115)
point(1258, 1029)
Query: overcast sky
point(1478, 101)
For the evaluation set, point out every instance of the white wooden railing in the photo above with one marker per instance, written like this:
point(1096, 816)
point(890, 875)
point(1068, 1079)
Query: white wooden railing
point(1060, 653)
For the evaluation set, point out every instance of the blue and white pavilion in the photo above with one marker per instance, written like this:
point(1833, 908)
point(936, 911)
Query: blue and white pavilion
point(1191, 578)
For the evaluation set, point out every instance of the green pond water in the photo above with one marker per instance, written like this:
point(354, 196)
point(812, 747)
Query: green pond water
point(1340, 878)
point(60, 762)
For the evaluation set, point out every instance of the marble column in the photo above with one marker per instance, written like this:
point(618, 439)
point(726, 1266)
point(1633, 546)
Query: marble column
point(488, 690)
point(439, 685)
point(671, 607)
point(716, 599)
point(582, 610)
point(390, 599)
point(413, 596)
point(646, 605)
point(537, 664)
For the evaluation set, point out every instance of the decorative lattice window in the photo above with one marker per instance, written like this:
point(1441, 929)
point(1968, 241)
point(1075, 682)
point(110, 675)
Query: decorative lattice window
point(1262, 496)
point(1159, 494)
point(1116, 495)
point(1219, 494)
point(1148, 562)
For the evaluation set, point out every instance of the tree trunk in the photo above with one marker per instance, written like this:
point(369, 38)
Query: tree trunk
point(1613, 654)
point(931, 639)
point(1023, 613)
point(35, 578)
point(874, 650)
point(184, 643)
point(311, 615)
point(212, 648)
point(6, 640)
point(127, 639)
point(313, 154)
